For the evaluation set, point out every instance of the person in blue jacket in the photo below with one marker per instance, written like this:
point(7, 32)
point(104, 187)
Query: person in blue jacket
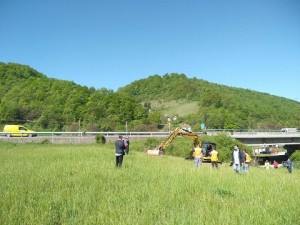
point(289, 165)
point(120, 151)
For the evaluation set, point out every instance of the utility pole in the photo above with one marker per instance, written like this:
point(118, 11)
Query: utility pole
point(79, 127)
point(169, 121)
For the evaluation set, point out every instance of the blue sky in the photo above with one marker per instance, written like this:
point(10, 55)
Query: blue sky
point(252, 44)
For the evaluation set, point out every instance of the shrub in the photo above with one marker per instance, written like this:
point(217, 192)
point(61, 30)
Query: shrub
point(295, 157)
point(100, 139)
point(45, 141)
point(151, 143)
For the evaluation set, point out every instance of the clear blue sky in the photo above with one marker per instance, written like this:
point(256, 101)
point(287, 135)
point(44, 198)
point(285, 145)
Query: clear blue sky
point(253, 44)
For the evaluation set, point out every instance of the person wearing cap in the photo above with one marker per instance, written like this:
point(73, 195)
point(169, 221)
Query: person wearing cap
point(237, 159)
point(120, 151)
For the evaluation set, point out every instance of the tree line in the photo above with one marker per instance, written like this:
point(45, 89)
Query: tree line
point(29, 97)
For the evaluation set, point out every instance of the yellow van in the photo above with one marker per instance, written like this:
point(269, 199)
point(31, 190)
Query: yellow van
point(18, 131)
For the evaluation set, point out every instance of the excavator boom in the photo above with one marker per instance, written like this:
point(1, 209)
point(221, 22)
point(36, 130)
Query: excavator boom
point(159, 150)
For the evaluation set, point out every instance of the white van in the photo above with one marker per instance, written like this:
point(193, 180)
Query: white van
point(18, 131)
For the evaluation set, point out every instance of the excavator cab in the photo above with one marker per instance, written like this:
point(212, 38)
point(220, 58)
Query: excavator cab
point(207, 147)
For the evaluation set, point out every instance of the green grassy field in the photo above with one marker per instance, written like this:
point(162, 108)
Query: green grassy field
point(79, 184)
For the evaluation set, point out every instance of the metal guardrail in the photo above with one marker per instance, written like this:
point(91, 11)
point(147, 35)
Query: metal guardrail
point(210, 132)
point(249, 138)
point(83, 133)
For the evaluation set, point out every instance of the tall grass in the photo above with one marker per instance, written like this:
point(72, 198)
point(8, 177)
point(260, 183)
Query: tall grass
point(68, 184)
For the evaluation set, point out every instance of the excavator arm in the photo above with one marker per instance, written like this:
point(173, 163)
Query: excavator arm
point(177, 132)
point(207, 147)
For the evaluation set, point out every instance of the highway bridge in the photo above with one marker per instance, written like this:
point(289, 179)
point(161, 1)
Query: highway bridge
point(289, 140)
point(255, 138)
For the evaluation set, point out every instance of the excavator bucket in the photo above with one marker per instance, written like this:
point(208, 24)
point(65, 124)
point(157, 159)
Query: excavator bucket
point(153, 152)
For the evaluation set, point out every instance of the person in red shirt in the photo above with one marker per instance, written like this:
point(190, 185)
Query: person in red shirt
point(275, 164)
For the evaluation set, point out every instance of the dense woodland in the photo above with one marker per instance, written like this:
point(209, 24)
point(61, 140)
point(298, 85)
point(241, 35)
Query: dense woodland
point(31, 98)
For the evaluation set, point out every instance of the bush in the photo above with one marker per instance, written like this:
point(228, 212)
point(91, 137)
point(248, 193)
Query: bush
point(296, 165)
point(45, 141)
point(151, 143)
point(100, 139)
point(295, 156)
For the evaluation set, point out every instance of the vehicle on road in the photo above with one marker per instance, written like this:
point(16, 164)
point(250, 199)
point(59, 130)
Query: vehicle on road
point(289, 129)
point(18, 131)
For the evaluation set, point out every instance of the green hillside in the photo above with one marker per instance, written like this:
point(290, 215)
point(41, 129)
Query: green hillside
point(31, 98)
point(196, 101)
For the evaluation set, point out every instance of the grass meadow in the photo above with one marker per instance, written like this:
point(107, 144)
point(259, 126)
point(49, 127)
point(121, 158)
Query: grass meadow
point(79, 184)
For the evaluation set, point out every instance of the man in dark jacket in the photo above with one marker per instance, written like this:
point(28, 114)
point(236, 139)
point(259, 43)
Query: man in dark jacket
point(289, 165)
point(120, 151)
point(126, 143)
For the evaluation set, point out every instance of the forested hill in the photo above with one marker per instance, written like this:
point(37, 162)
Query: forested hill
point(218, 106)
point(29, 97)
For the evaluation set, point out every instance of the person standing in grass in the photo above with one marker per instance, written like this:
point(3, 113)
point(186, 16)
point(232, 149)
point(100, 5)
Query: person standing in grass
point(267, 164)
point(120, 151)
point(275, 164)
point(247, 161)
point(197, 154)
point(237, 159)
point(289, 165)
point(126, 143)
point(214, 158)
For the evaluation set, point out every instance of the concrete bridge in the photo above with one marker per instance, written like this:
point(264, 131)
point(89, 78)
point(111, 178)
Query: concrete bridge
point(289, 140)
point(264, 138)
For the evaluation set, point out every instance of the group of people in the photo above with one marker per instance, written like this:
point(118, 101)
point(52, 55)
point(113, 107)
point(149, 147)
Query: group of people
point(288, 164)
point(240, 160)
point(267, 164)
point(198, 156)
point(122, 148)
